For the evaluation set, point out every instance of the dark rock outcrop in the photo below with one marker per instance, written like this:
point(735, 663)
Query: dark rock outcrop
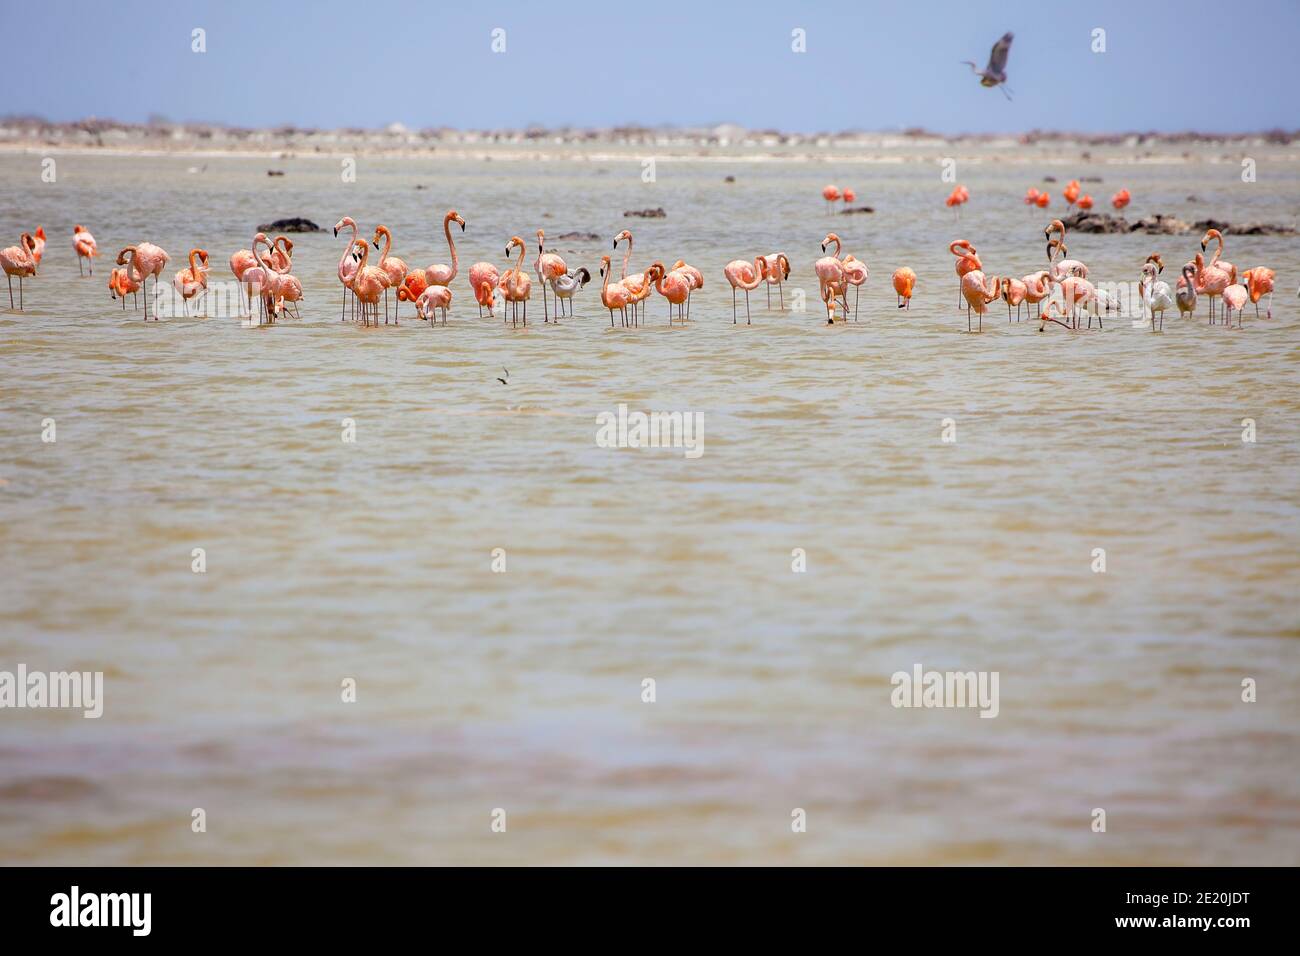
point(289, 225)
point(646, 213)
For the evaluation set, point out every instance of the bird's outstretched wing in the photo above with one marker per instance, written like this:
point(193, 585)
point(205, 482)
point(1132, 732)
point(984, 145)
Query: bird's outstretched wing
point(998, 55)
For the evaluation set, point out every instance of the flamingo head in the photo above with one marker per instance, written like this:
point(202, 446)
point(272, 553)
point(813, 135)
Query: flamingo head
point(121, 256)
point(621, 236)
point(454, 216)
point(514, 241)
point(77, 229)
point(604, 265)
point(343, 223)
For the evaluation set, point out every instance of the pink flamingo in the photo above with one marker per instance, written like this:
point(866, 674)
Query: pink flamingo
point(484, 279)
point(696, 279)
point(636, 284)
point(612, 295)
point(1014, 293)
point(515, 284)
point(830, 269)
point(432, 299)
point(368, 282)
point(978, 292)
point(778, 270)
point(283, 287)
point(20, 261)
point(391, 266)
point(438, 273)
point(1234, 297)
point(83, 243)
point(1038, 287)
point(848, 196)
point(1065, 266)
point(968, 261)
point(856, 274)
point(1218, 262)
point(1031, 196)
point(1259, 281)
point(673, 286)
point(256, 280)
point(830, 193)
point(904, 280)
point(1210, 281)
point(146, 260)
point(549, 267)
point(347, 264)
point(190, 282)
point(744, 275)
point(959, 196)
point(1078, 293)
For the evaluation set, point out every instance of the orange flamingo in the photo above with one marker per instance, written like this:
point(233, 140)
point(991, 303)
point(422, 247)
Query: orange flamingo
point(1044, 200)
point(190, 282)
point(20, 261)
point(483, 280)
point(1259, 281)
point(391, 266)
point(282, 287)
point(412, 286)
point(1210, 281)
point(830, 193)
point(39, 241)
point(120, 285)
point(1031, 196)
point(515, 284)
point(1085, 202)
point(146, 260)
point(904, 282)
point(968, 260)
point(1120, 199)
point(1070, 193)
point(959, 196)
point(83, 243)
point(978, 292)
point(636, 284)
point(848, 196)
point(693, 276)
point(440, 273)
point(548, 267)
point(673, 286)
point(612, 295)
point(744, 275)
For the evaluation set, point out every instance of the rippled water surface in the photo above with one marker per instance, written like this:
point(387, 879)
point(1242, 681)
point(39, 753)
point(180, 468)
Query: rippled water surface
point(522, 690)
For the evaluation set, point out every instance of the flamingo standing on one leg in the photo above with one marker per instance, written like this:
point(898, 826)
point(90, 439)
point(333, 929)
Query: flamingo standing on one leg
point(1259, 281)
point(483, 280)
point(20, 261)
point(856, 274)
point(612, 295)
point(391, 266)
point(744, 275)
point(146, 260)
point(83, 243)
point(548, 267)
point(190, 282)
point(968, 260)
point(1185, 294)
point(978, 292)
point(515, 284)
point(904, 280)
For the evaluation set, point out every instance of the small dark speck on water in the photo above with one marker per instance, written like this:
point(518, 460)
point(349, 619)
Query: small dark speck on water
point(730, 179)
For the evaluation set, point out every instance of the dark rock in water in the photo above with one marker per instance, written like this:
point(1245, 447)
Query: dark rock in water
point(577, 237)
point(1246, 228)
point(419, 185)
point(730, 179)
point(1084, 221)
point(1193, 198)
point(1049, 179)
point(275, 172)
point(1090, 179)
point(1160, 225)
point(646, 213)
point(289, 225)
point(856, 209)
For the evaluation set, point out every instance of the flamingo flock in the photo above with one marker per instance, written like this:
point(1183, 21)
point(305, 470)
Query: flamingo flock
point(1061, 293)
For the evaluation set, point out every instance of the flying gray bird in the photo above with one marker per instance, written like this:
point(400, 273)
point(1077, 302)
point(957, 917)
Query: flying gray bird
point(995, 74)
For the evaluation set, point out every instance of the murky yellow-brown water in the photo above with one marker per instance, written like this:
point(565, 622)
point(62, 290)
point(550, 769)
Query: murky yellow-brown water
point(522, 690)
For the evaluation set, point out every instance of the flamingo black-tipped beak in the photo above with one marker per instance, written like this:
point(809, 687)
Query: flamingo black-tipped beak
point(1203, 247)
point(336, 232)
point(462, 227)
point(375, 244)
point(823, 247)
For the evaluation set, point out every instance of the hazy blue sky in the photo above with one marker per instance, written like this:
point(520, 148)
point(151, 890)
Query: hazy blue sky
point(1169, 65)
